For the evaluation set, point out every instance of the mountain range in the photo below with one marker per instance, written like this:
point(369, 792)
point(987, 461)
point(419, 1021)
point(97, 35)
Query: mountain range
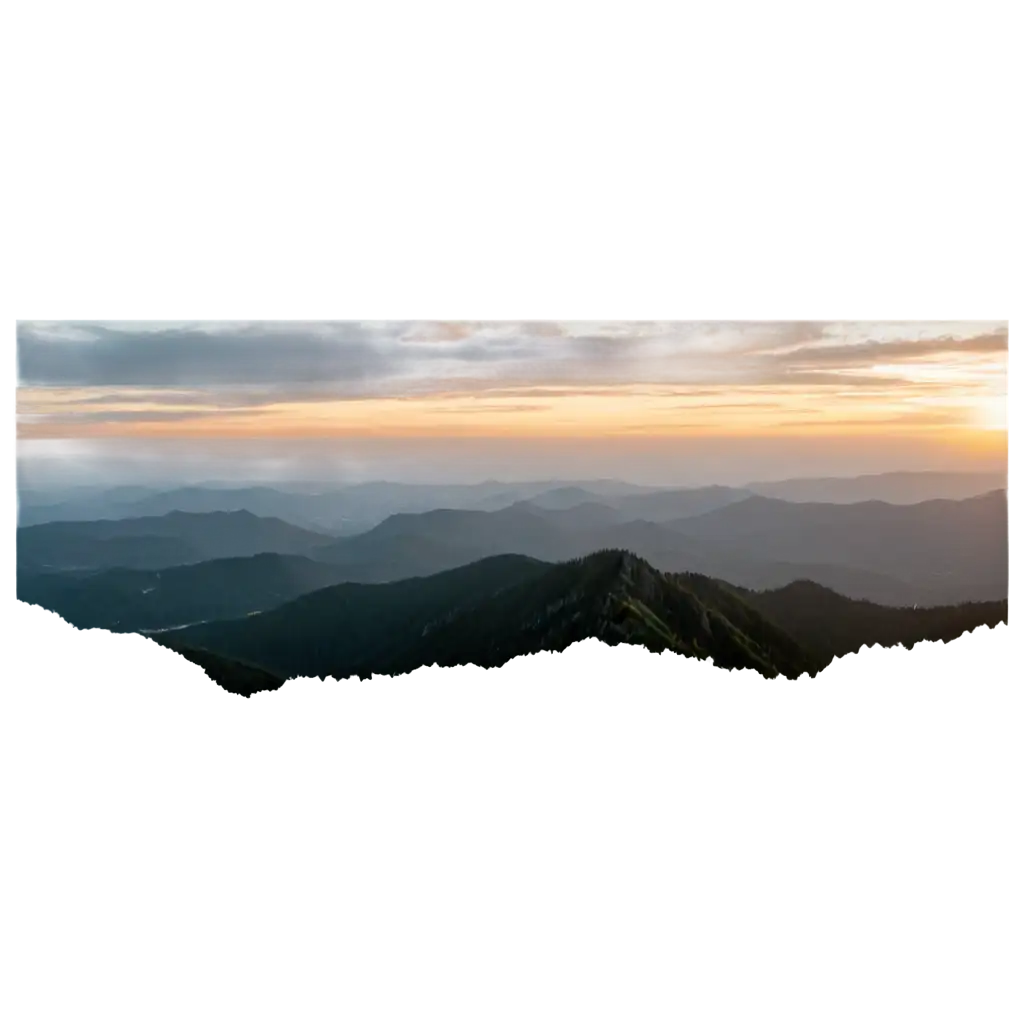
point(934, 552)
point(158, 542)
point(140, 600)
point(931, 553)
point(499, 608)
point(333, 509)
point(353, 508)
point(493, 610)
point(751, 581)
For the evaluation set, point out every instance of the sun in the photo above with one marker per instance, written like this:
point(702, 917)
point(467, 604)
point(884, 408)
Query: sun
point(990, 413)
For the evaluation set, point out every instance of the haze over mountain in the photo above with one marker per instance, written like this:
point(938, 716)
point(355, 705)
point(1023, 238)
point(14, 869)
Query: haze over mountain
point(353, 508)
point(894, 488)
point(157, 542)
point(132, 600)
point(935, 552)
point(941, 547)
point(653, 506)
point(330, 507)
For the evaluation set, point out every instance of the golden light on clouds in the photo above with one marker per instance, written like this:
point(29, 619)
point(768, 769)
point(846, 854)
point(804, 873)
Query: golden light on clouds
point(529, 381)
point(990, 414)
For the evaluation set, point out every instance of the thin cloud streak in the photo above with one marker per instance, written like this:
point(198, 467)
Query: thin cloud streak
point(111, 377)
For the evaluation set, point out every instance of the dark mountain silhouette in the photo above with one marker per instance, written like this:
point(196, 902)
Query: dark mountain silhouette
point(354, 627)
point(494, 610)
point(511, 610)
point(829, 625)
point(131, 600)
point(127, 600)
point(71, 551)
point(612, 596)
point(982, 664)
point(980, 667)
point(178, 538)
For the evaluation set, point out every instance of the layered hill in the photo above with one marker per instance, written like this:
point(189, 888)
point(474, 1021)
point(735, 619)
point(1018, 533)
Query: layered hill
point(901, 488)
point(135, 600)
point(328, 507)
point(157, 542)
point(353, 627)
point(948, 551)
point(828, 625)
point(497, 609)
point(931, 553)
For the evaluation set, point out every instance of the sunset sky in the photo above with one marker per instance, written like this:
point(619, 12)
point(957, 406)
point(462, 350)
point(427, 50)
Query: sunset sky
point(746, 390)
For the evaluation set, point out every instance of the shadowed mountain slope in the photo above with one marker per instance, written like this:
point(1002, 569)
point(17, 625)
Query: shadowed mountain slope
point(497, 609)
point(131, 600)
point(156, 542)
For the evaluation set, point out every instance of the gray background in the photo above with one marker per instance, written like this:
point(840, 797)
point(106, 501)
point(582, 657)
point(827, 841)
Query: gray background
point(167, 856)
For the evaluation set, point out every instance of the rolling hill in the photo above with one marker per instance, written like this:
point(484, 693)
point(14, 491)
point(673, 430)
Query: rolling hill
point(69, 551)
point(329, 507)
point(409, 544)
point(663, 506)
point(132, 600)
point(931, 553)
point(157, 542)
point(829, 625)
point(352, 626)
point(937, 552)
point(654, 506)
point(136, 503)
point(494, 610)
point(499, 608)
point(895, 488)
point(949, 551)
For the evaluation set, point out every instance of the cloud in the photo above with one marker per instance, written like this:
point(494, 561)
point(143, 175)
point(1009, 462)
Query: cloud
point(870, 353)
point(75, 417)
point(440, 331)
point(104, 355)
point(939, 418)
point(81, 375)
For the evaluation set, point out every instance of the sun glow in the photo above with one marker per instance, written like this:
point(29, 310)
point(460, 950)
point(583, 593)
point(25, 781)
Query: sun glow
point(990, 413)
point(527, 381)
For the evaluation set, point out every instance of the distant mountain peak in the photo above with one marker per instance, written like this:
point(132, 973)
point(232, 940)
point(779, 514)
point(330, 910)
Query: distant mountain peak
point(214, 514)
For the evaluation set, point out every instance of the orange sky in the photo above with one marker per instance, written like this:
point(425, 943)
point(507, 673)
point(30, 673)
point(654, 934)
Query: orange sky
point(532, 381)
